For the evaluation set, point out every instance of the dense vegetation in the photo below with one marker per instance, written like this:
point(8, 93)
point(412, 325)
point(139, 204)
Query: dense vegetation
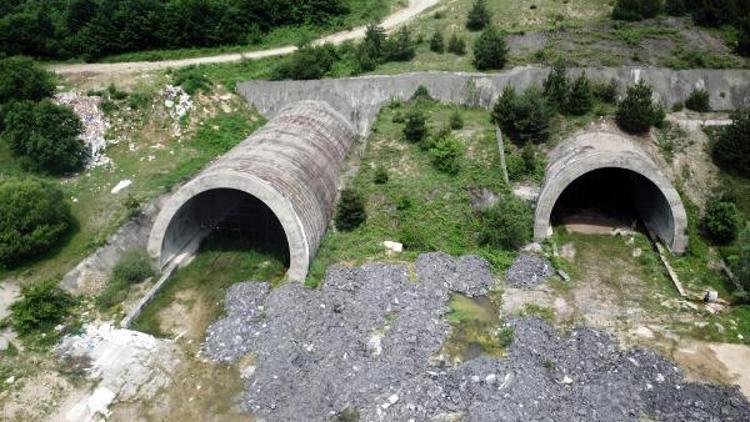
point(95, 28)
point(732, 149)
point(34, 217)
point(42, 306)
point(637, 112)
point(44, 136)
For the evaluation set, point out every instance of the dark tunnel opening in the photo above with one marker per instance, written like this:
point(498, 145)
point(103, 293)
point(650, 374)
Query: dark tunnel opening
point(227, 220)
point(606, 198)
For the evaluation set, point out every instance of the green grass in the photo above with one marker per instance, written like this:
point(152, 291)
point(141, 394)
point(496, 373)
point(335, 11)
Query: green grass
point(362, 12)
point(154, 171)
point(438, 212)
point(221, 262)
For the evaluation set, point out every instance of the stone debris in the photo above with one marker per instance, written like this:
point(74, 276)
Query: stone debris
point(95, 124)
point(393, 247)
point(121, 185)
point(178, 104)
point(313, 361)
point(129, 366)
point(711, 296)
point(528, 270)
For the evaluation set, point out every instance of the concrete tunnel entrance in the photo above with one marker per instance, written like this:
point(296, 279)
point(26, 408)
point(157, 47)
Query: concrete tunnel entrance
point(607, 198)
point(278, 186)
point(232, 217)
point(607, 178)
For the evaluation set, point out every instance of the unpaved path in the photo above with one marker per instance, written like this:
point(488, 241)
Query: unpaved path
point(394, 20)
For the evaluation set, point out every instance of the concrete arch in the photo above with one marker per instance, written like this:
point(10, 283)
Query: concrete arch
point(291, 165)
point(660, 207)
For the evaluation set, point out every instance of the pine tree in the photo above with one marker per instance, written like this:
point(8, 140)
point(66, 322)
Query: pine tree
point(556, 86)
point(400, 46)
point(350, 211)
point(457, 45)
point(436, 43)
point(490, 51)
point(580, 99)
point(479, 17)
point(636, 113)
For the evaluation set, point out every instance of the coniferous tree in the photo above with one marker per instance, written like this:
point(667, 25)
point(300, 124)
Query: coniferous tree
point(436, 43)
point(479, 17)
point(490, 51)
point(580, 99)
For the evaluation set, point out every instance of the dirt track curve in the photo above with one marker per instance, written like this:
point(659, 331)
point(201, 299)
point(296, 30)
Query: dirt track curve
point(392, 21)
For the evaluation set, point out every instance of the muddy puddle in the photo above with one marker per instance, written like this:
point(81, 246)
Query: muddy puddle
point(475, 331)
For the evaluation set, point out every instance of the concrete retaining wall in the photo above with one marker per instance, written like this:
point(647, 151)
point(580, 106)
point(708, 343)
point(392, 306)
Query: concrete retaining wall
point(360, 99)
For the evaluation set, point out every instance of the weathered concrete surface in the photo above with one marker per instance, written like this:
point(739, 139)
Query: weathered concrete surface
point(91, 274)
point(291, 165)
point(658, 203)
point(360, 99)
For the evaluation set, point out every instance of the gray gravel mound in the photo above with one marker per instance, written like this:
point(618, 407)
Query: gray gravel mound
point(364, 341)
point(528, 270)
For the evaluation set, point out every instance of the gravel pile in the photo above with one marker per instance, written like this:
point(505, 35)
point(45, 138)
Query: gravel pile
point(364, 341)
point(528, 270)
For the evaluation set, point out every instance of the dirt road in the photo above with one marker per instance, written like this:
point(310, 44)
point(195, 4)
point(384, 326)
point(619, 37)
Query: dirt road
point(392, 21)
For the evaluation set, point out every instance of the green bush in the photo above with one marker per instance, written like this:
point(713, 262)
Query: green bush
point(490, 51)
point(634, 10)
point(678, 106)
point(133, 267)
point(698, 100)
point(732, 149)
point(479, 17)
point(743, 37)
point(721, 221)
point(457, 45)
point(192, 80)
point(676, 7)
point(516, 167)
point(381, 175)
point(42, 306)
point(400, 46)
point(507, 224)
point(372, 51)
point(741, 265)
point(556, 86)
point(525, 118)
point(447, 153)
point(606, 92)
point(350, 210)
point(437, 44)
point(45, 136)
point(456, 121)
point(421, 94)
point(23, 80)
point(309, 62)
point(413, 236)
point(415, 128)
point(580, 101)
point(637, 112)
point(116, 94)
point(115, 292)
point(34, 217)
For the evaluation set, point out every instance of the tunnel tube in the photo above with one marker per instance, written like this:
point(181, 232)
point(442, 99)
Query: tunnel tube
point(657, 202)
point(291, 165)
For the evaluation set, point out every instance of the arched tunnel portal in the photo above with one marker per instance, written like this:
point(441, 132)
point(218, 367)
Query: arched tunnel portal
point(277, 186)
point(611, 175)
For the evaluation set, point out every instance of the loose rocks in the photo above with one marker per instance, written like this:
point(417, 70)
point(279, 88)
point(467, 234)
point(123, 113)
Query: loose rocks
point(528, 270)
point(315, 359)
